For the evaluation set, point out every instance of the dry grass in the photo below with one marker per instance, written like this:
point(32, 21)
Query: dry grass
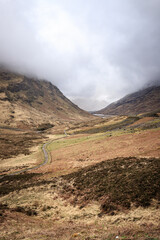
point(42, 205)
point(21, 161)
point(19, 149)
point(81, 224)
point(75, 152)
point(56, 218)
point(17, 142)
point(117, 184)
point(27, 103)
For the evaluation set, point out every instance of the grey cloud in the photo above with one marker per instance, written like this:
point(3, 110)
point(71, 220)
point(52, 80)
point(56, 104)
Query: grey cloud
point(95, 51)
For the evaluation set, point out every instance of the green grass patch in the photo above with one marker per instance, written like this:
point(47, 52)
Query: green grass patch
point(105, 128)
point(68, 142)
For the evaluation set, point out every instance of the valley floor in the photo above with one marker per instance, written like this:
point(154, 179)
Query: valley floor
point(101, 182)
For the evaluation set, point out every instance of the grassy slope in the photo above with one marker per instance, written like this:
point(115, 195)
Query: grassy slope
point(143, 101)
point(25, 101)
point(110, 198)
point(117, 183)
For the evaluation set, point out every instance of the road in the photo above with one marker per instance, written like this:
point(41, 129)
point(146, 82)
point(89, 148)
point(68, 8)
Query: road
point(46, 159)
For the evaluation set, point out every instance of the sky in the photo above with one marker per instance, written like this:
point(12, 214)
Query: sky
point(94, 51)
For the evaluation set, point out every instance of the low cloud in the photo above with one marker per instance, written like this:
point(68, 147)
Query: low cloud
point(94, 51)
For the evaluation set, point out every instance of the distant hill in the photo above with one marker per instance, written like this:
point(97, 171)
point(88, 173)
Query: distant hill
point(26, 101)
point(143, 101)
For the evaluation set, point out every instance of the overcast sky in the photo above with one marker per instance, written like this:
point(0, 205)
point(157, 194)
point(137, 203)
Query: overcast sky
point(95, 51)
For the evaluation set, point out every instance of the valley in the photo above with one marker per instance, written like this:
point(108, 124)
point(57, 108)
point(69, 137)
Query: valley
point(101, 180)
point(79, 120)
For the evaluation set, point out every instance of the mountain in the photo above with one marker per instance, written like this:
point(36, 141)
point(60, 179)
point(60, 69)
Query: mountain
point(26, 101)
point(143, 101)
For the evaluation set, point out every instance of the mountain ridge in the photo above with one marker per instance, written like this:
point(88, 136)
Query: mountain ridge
point(142, 101)
point(29, 101)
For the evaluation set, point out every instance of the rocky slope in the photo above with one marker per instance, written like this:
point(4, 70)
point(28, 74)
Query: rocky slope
point(25, 101)
point(143, 101)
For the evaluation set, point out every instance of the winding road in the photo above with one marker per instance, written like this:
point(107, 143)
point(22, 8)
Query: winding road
point(46, 159)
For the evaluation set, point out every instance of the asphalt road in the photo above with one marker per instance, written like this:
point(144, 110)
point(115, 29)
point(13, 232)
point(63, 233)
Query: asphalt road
point(46, 159)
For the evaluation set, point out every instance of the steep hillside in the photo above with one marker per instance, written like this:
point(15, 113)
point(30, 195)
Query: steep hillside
point(26, 101)
point(146, 100)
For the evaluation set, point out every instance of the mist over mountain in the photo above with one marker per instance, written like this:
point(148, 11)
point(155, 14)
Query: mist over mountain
point(143, 101)
point(95, 52)
point(27, 102)
point(153, 83)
